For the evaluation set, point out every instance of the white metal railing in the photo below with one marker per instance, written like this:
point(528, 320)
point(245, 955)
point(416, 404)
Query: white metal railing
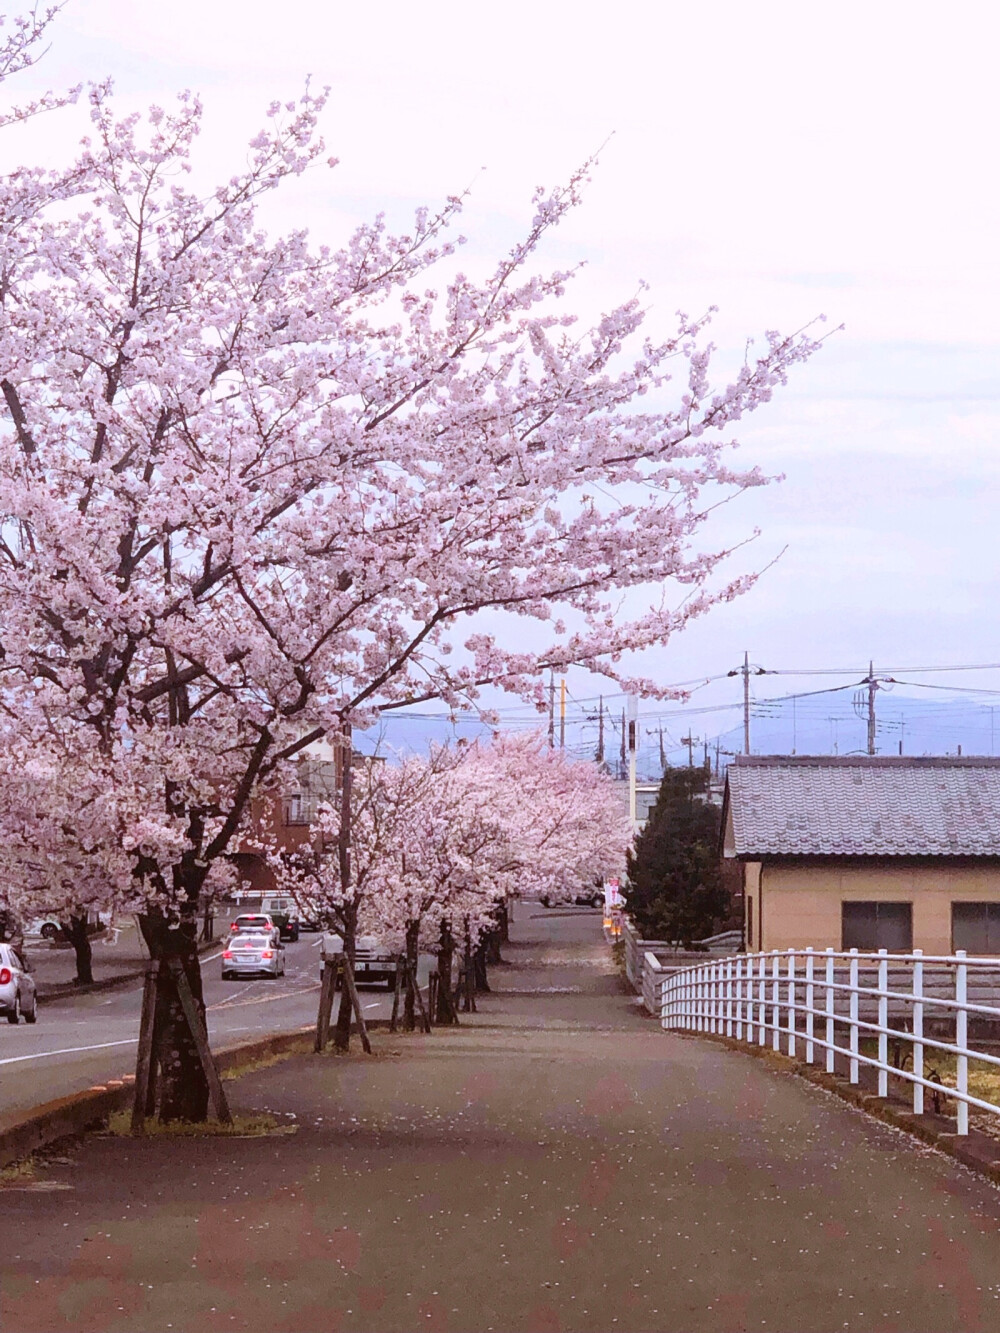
point(828, 1000)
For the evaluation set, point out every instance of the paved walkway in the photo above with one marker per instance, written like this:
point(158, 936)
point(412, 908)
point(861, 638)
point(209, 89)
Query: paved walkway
point(557, 1163)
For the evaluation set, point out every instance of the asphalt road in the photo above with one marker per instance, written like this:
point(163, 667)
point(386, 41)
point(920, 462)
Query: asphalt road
point(80, 1040)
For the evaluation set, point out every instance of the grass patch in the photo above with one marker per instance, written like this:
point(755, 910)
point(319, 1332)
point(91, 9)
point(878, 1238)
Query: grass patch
point(243, 1127)
point(17, 1172)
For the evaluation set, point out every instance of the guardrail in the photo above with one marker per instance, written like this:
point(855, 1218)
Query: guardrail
point(828, 1000)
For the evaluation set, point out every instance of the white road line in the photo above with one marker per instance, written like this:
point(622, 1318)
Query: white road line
point(68, 1050)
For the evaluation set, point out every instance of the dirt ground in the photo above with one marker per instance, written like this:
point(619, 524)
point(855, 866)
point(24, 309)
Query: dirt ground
point(557, 1163)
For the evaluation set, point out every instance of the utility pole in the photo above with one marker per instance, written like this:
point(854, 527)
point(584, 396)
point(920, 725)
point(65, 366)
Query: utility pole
point(562, 713)
point(552, 707)
point(746, 671)
point(717, 743)
point(663, 756)
point(633, 742)
point(622, 768)
point(872, 687)
point(688, 740)
point(600, 730)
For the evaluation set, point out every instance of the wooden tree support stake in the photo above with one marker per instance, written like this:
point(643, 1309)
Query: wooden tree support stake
point(194, 1021)
point(396, 995)
point(352, 990)
point(324, 1014)
point(433, 982)
point(424, 1020)
point(144, 1067)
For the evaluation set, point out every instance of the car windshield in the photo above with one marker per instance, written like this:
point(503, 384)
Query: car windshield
point(252, 922)
point(251, 942)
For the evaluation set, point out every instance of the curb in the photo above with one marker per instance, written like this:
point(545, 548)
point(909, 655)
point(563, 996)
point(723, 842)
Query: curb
point(72, 1115)
point(936, 1131)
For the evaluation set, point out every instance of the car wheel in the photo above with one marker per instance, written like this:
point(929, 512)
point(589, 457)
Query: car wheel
point(226, 976)
point(49, 931)
point(391, 985)
point(14, 1015)
point(31, 1015)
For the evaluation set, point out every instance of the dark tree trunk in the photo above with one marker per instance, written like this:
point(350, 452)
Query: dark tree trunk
point(504, 917)
point(412, 954)
point(479, 961)
point(182, 1086)
point(445, 954)
point(342, 1032)
point(75, 930)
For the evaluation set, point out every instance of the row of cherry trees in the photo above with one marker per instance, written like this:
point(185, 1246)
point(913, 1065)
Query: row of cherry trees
point(438, 844)
point(255, 491)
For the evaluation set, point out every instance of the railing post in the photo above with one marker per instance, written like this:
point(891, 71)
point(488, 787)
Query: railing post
point(729, 997)
point(962, 1041)
point(739, 999)
point(762, 1001)
point(918, 1030)
point(883, 1023)
point(776, 1000)
point(853, 983)
point(830, 1054)
point(713, 993)
point(810, 1005)
point(791, 1002)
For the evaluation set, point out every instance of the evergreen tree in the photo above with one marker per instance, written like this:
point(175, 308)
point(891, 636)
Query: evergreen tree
point(676, 891)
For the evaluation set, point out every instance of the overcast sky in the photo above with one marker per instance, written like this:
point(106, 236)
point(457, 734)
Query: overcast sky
point(779, 160)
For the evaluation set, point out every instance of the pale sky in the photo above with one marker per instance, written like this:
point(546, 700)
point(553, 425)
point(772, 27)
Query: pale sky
point(778, 160)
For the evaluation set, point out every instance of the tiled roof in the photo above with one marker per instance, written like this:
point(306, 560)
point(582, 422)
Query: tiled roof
point(803, 806)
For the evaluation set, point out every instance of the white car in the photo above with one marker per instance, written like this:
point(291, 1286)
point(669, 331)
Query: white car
point(17, 987)
point(253, 955)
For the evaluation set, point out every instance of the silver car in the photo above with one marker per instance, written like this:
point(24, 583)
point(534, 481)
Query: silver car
point(17, 987)
point(253, 955)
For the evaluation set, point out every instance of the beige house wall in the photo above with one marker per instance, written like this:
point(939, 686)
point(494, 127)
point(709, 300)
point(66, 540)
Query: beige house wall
point(801, 903)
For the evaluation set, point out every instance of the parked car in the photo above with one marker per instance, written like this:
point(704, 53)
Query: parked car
point(310, 915)
point(255, 923)
point(373, 959)
point(285, 915)
point(47, 927)
point(17, 987)
point(593, 898)
point(250, 955)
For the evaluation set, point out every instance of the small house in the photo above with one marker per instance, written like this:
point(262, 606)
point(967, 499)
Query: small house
point(866, 852)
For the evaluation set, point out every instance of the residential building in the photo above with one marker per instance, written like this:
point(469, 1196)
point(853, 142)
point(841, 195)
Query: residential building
point(866, 852)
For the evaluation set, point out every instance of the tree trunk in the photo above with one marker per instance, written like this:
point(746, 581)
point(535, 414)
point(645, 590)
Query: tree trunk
point(445, 954)
point(504, 916)
point(182, 1086)
point(342, 1032)
point(412, 954)
point(75, 930)
point(479, 966)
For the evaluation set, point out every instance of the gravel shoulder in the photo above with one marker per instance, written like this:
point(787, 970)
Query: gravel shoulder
point(556, 1163)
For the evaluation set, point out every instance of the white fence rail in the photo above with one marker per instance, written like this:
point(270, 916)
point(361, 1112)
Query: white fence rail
point(823, 1002)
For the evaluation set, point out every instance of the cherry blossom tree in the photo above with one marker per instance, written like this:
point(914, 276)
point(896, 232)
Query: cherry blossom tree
point(252, 488)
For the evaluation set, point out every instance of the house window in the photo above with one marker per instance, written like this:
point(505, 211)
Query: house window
point(975, 927)
point(871, 926)
point(296, 811)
